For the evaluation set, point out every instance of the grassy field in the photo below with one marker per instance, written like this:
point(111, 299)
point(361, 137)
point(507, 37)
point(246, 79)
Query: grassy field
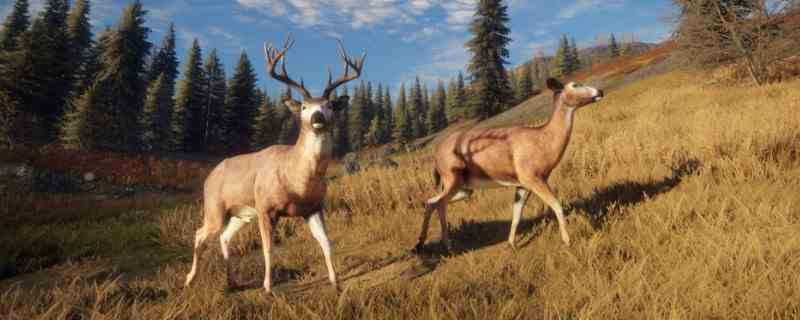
point(682, 203)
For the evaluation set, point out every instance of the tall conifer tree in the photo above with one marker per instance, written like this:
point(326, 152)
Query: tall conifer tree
point(242, 105)
point(216, 89)
point(14, 25)
point(489, 55)
point(187, 122)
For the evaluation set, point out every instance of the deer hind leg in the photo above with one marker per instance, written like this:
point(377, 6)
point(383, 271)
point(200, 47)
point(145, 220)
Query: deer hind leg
point(316, 222)
point(452, 185)
point(211, 226)
point(239, 218)
point(546, 194)
point(520, 198)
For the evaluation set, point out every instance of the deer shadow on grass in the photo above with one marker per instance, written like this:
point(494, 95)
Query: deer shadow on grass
point(475, 235)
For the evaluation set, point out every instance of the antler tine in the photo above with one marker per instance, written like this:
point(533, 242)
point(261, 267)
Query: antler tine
point(357, 66)
point(273, 56)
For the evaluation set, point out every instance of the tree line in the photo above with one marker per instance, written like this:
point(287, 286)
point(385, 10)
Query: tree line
point(118, 91)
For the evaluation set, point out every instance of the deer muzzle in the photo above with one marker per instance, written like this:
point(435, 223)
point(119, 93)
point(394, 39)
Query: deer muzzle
point(318, 120)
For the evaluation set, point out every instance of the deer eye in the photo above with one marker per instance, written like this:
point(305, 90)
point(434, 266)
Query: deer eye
point(303, 108)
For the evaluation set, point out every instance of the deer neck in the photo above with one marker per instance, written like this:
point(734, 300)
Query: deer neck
point(312, 153)
point(559, 130)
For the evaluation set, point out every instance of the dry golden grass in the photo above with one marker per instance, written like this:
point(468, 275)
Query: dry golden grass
point(682, 203)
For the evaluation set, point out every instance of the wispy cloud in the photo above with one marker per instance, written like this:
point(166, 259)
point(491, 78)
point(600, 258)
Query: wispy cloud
point(228, 39)
point(446, 60)
point(423, 34)
point(358, 14)
point(578, 7)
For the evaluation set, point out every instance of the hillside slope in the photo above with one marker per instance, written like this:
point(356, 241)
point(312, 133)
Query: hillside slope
point(680, 205)
point(609, 76)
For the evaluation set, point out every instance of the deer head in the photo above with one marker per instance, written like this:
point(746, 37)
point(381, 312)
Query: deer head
point(316, 114)
point(574, 95)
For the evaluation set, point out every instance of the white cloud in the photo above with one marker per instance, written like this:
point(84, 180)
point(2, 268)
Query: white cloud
point(422, 34)
point(580, 6)
point(362, 13)
point(228, 39)
point(446, 61)
point(405, 18)
point(459, 12)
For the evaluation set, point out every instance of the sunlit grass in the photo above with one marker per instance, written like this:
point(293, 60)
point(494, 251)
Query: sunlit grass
point(681, 202)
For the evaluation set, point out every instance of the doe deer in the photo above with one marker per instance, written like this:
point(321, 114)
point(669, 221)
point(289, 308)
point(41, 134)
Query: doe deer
point(278, 181)
point(520, 156)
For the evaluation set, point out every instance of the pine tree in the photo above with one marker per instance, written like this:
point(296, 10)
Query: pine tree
point(426, 107)
point(613, 47)
point(266, 127)
point(489, 55)
point(403, 129)
point(369, 111)
point(524, 89)
point(88, 110)
point(451, 107)
point(156, 117)
point(79, 35)
point(560, 62)
point(121, 81)
point(415, 110)
point(14, 25)
point(216, 88)
point(81, 127)
point(241, 104)
point(437, 118)
point(341, 132)
point(376, 134)
point(187, 120)
point(388, 114)
point(358, 124)
point(575, 59)
point(165, 59)
point(39, 76)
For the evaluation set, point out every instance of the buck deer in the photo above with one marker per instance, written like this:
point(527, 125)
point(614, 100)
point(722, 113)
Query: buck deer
point(280, 180)
point(522, 157)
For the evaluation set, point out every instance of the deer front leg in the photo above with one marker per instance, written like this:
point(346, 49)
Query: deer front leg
point(265, 229)
point(546, 194)
point(520, 198)
point(426, 219)
point(441, 210)
point(316, 222)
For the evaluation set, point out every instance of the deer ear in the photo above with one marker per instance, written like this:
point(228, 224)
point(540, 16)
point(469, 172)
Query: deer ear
point(293, 105)
point(554, 84)
point(340, 103)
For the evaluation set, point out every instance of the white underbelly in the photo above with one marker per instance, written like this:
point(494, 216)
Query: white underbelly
point(490, 184)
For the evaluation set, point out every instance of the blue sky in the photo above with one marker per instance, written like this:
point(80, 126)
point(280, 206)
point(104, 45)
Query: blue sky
point(403, 38)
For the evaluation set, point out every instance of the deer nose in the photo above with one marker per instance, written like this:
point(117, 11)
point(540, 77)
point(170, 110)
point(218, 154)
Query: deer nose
point(318, 120)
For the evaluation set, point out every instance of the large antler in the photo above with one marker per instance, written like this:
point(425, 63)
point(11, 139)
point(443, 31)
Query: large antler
point(356, 65)
point(273, 56)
